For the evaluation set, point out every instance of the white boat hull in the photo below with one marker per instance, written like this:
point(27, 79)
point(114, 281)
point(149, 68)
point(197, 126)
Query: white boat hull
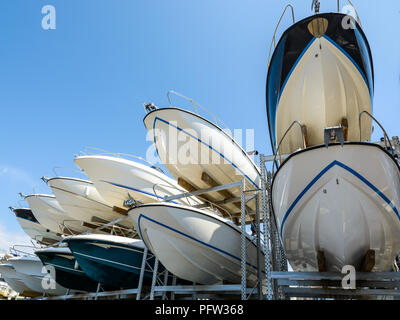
point(37, 232)
point(188, 146)
point(341, 200)
point(32, 273)
point(193, 244)
point(52, 216)
point(118, 180)
point(324, 87)
point(82, 201)
point(13, 279)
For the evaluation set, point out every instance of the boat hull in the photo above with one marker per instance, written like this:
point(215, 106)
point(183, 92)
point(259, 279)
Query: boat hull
point(51, 215)
point(110, 260)
point(65, 272)
point(32, 273)
point(319, 76)
point(13, 279)
point(342, 201)
point(193, 244)
point(37, 232)
point(118, 180)
point(190, 146)
point(82, 201)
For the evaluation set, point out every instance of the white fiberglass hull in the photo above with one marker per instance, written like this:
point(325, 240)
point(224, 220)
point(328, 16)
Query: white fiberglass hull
point(324, 87)
point(33, 272)
point(189, 146)
point(37, 232)
point(118, 179)
point(52, 216)
point(341, 200)
point(193, 244)
point(82, 201)
point(13, 279)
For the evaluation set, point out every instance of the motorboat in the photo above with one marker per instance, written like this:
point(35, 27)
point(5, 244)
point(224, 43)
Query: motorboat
point(5, 290)
point(335, 195)
point(200, 155)
point(83, 202)
point(111, 260)
point(52, 216)
point(36, 276)
point(15, 282)
point(33, 228)
point(67, 271)
point(194, 244)
point(119, 180)
point(343, 202)
point(320, 76)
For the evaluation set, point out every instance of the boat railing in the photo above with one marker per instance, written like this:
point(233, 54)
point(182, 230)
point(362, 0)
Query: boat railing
point(218, 121)
point(99, 151)
point(188, 197)
point(54, 169)
point(283, 137)
point(18, 252)
point(160, 198)
point(388, 144)
point(273, 42)
point(355, 11)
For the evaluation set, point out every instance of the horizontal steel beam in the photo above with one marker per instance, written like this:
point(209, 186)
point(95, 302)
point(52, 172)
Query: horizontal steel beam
point(338, 283)
point(202, 288)
point(380, 276)
point(202, 191)
point(318, 292)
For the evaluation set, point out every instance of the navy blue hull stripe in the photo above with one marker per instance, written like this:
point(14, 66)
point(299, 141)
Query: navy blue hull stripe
point(190, 237)
point(137, 190)
point(326, 169)
point(199, 140)
point(341, 50)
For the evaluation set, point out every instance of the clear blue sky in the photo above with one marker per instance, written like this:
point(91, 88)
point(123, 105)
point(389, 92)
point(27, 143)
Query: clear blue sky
point(83, 84)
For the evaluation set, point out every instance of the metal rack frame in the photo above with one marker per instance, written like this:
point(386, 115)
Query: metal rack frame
point(275, 282)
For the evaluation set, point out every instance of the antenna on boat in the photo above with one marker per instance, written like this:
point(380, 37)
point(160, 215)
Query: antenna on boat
point(315, 5)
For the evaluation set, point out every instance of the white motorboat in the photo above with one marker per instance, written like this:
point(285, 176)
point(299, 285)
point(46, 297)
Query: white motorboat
point(200, 155)
point(320, 75)
point(119, 179)
point(35, 276)
point(52, 216)
point(33, 228)
point(14, 280)
point(82, 201)
point(343, 202)
point(194, 244)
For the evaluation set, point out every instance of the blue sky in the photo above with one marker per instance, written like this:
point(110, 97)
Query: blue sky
point(83, 84)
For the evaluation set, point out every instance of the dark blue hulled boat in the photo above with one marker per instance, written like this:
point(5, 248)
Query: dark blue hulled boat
point(67, 273)
point(110, 260)
point(321, 75)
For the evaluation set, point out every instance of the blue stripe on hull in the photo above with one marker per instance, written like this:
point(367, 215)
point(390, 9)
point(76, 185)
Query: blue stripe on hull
point(141, 216)
point(202, 142)
point(353, 172)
